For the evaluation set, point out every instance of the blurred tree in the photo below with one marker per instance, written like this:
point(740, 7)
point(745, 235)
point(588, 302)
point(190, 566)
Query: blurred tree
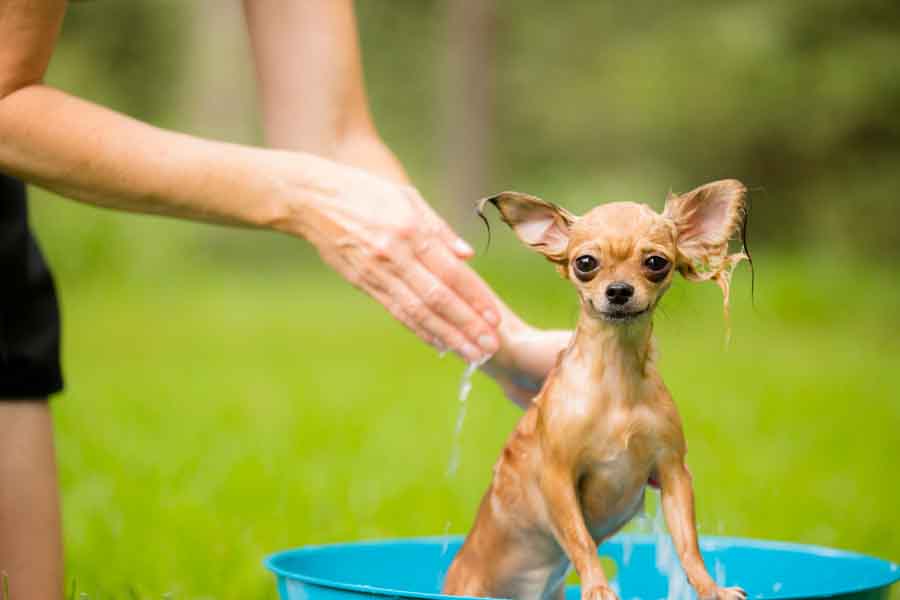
point(613, 100)
point(467, 98)
point(127, 55)
point(221, 100)
point(597, 101)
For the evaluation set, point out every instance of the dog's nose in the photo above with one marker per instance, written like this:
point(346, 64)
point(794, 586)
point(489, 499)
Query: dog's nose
point(619, 292)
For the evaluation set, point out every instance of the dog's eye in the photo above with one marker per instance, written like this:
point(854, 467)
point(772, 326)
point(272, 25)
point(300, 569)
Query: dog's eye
point(585, 264)
point(656, 263)
point(586, 267)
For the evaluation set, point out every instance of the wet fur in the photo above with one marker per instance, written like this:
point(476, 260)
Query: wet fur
point(575, 469)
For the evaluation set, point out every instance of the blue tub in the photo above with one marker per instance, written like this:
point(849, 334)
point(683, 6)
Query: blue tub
point(414, 568)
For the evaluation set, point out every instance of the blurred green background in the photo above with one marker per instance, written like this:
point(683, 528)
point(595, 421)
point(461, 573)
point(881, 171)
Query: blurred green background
point(227, 396)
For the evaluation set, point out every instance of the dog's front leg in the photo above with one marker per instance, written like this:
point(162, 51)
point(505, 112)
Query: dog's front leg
point(564, 511)
point(678, 507)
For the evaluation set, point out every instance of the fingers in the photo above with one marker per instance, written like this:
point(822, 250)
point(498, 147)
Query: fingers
point(409, 259)
point(453, 291)
point(393, 269)
point(457, 276)
point(444, 232)
point(415, 314)
point(457, 245)
point(447, 305)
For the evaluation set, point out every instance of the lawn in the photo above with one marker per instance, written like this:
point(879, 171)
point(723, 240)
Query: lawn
point(214, 415)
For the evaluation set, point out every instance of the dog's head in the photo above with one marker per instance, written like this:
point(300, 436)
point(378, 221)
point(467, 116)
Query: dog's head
point(621, 256)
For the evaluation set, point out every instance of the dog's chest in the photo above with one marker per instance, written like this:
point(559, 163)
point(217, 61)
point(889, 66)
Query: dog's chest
point(614, 429)
point(616, 466)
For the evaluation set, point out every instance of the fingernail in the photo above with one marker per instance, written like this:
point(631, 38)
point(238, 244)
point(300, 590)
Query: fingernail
point(488, 343)
point(470, 352)
point(491, 317)
point(462, 247)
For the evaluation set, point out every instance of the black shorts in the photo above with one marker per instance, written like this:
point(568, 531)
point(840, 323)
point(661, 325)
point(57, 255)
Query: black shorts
point(29, 315)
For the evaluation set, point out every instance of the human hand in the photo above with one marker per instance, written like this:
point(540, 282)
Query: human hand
point(385, 239)
point(525, 358)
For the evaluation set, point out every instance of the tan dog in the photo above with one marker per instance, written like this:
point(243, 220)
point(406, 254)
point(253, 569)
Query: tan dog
point(604, 426)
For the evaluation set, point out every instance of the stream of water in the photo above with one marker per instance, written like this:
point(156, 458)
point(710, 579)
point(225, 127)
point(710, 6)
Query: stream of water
point(465, 388)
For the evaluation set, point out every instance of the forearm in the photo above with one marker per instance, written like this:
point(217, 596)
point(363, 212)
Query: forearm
point(310, 81)
point(95, 155)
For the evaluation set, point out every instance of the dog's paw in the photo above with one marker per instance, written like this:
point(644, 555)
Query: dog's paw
point(720, 593)
point(597, 592)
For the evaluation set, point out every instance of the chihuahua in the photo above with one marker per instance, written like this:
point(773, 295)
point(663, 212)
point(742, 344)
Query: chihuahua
point(603, 426)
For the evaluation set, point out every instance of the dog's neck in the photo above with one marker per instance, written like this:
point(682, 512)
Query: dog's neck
point(612, 352)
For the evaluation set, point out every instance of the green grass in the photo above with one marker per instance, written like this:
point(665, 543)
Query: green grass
point(215, 415)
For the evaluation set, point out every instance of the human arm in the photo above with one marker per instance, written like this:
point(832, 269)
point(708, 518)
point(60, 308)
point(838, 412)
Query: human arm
point(95, 155)
point(311, 87)
point(310, 80)
point(379, 235)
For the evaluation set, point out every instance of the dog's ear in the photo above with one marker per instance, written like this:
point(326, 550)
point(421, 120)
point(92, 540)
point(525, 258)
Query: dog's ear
point(706, 219)
point(540, 224)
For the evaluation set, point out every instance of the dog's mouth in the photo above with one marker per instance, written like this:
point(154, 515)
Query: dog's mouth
point(618, 315)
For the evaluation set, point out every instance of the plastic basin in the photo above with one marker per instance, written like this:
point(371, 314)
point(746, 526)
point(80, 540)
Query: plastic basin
point(415, 567)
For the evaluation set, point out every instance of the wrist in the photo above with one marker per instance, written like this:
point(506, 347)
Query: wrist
point(290, 185)
point(511, 325)
point(365, 150)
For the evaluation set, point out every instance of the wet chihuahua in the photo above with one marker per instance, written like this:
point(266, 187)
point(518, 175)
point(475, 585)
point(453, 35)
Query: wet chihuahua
point(603, 426)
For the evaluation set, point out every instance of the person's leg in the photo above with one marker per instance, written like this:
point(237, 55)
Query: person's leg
point(30, 538)
point(30, 534)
